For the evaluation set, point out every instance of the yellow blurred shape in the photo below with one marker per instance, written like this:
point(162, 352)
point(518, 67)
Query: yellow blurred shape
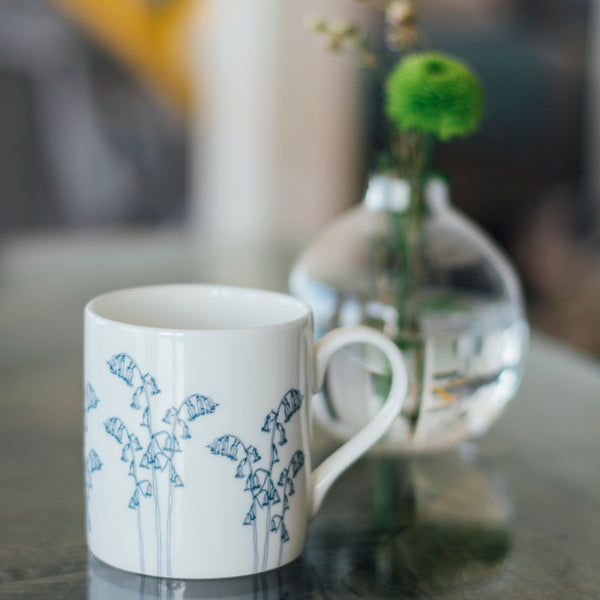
point(148, 37)
point(444, 394)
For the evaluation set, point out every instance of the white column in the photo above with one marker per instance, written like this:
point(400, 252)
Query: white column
point(276, 146)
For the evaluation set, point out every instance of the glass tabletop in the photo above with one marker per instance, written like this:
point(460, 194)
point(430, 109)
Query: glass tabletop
point(513, 515)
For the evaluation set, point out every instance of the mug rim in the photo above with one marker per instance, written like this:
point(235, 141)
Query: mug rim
point(92, 307)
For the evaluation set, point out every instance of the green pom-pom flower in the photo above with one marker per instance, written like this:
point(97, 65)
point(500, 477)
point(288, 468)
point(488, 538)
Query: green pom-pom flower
point(432, 93)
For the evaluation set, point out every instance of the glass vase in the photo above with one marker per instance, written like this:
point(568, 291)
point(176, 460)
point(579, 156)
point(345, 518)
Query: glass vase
point(406, 262)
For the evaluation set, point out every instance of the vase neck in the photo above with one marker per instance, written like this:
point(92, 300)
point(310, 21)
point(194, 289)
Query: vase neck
point(387, 193)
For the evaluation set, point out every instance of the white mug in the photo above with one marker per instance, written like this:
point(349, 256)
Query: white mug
point(197, 427)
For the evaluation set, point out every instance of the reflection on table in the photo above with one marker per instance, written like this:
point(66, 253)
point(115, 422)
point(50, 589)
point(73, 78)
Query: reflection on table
point(424, 524)
point(513, 516)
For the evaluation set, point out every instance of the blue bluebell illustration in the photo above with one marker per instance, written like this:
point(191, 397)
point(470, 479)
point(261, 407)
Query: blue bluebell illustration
point(286, 481)
point(190, 409)
point(230, 447)
point(124, 367)
point(141, 487)
point(260, 482)
point(92, 460)
point(92, 464)
point(91, 401)
point(158, 454)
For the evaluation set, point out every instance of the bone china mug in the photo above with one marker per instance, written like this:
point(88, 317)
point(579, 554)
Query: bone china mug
point(197, 427)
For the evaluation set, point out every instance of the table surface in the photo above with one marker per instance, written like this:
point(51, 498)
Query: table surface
point(515, 516)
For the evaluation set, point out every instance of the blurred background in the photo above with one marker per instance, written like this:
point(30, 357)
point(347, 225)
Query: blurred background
point(228, 121)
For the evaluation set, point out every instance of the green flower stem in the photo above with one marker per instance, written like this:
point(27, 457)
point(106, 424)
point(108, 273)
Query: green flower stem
point(413, 152)
point(415, 277)
point(408, 236)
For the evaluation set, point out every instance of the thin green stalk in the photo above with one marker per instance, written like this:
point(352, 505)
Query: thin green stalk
point(421, 158)
point(413, 154)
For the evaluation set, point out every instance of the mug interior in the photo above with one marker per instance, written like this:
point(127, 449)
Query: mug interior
point(197, 307)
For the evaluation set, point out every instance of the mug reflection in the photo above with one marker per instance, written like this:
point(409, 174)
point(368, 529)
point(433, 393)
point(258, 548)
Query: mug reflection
point(293, 581)
point(418, 526)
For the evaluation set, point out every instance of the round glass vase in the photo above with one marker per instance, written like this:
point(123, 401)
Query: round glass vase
point(409, 264)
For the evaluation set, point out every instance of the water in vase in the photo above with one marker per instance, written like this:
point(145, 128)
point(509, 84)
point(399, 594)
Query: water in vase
point(467, 356)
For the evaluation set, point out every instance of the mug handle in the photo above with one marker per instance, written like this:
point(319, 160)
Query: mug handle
point(332, 467)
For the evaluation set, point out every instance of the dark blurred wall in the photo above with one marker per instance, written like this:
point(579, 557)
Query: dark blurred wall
point(82, 142)
point(531, 58)
point(26, 199)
